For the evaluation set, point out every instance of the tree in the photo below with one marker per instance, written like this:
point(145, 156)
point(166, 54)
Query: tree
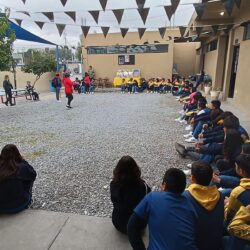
point(39, 63)
point(7, 37)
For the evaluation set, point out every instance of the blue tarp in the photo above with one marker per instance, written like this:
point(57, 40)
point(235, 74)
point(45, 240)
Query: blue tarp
point(23, 34)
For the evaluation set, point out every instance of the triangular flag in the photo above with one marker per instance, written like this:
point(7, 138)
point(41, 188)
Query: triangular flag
point(141, 32)
point(105, 31)
point(169, 11)
point(71, 14)
point(238, 3)
point(169, 38)
point(63, 2)
point(24, 1)
point(199, 8)
point(198, 30)
point(162, 31)
point(175, 4)
point(228, 28)
point(85, 30)
point(144, 14)
point(118, 14)
point(140, 3)
point(40, 24)
point(103, 3)
point(24, 12)
point(50, 15)
point(124, 31)
point(19, 21)
point(60, 28)
point(229, 5)
point(215, 28)
point(182, 30)
point(95, 15)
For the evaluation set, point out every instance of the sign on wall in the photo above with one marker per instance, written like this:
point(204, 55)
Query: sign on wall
point(130, 49)
point(126, 60)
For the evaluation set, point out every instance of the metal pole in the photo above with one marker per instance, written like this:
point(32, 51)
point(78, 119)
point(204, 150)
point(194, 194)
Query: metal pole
point(57, 58)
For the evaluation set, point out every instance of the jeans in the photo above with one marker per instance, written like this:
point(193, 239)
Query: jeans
point(208, 152)
point(123, 88)
point(58, 93)
point(83, 89)
point(91, 88)
point(87, 88)
point(233, 243)
point(9, 97)
point(70, 98)
point(197, 129)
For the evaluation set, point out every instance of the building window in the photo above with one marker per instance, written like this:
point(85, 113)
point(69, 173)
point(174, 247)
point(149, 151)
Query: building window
point(212, 46)
point(247, 31)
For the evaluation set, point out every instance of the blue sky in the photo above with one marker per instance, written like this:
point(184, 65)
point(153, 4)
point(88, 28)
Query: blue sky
point(131, 18)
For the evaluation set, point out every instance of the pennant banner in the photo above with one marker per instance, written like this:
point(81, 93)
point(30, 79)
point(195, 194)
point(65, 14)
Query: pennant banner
point(199, 8)
point(19, 21)
point(140, 3)
point(24, 12)
point(50, 15)
point(85, 30)
point(162, 31)
point(40, 24)
point(175, 4)
point(95, 15)
point(24, 1)
point(103, 3)
point(124, 31)
point(198, 30)
point(118, 14)
point(215, 28)
point(169, 11)
point(72, 15)
point(144, 14)
point(229, 5)
point(63, 2)
point(105, 31)
point(182, 30)
point(141, 32)
point(238, 3)
point(60, 28)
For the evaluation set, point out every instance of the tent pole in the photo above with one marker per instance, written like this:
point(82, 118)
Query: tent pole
point(57, 59)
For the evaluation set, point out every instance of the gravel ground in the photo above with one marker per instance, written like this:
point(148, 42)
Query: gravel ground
point(74, 151)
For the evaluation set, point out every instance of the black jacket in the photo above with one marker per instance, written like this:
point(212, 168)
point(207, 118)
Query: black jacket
point(16, 189)
point(7, 86)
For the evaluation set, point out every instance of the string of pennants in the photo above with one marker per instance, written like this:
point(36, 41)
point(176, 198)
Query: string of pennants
point(143, 12)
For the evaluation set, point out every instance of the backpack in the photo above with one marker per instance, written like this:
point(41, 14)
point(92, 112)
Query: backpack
point(54, 82)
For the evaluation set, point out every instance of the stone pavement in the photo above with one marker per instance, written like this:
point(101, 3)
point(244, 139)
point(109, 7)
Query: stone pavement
point(40, 230)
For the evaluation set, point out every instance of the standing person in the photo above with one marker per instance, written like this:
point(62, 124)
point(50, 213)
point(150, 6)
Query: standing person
point(57, 84)
point(170, 216)
point(201, 79)
point(16, 181)
point(91, 73)
point(8, 87)
point(68, 84)
point(87, 81)
point(127, 189)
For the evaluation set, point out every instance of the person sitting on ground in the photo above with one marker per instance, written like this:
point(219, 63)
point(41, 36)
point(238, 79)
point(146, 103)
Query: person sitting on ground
point(127, 189)
point(16, 180)
point(130, 85)
point(123, 85)
point(135, 86)
point(170, 216)
point(31, 91)
point(209, 205)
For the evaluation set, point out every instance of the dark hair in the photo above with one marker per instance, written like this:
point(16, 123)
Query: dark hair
point(246, 148)
point(202, 172)
point(225, 114)
point(86, 74)
point(216, 103)
point(202, 102)
point(197, 96)
point(232, 142)
point(126, 171)
point(9, 158)
point(243, 162)
point(231, 122)
point(175, 180)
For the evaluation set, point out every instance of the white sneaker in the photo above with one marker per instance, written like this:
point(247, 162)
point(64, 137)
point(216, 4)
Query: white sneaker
point(183, 121)
point(191, 140)
point(187, 172)
point(188, 135)
point(189, 165)
point(178, 119)
point(189, 127)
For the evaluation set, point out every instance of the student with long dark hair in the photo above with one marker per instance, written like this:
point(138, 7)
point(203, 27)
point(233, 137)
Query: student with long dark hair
point(127, 189)
point(16, 180)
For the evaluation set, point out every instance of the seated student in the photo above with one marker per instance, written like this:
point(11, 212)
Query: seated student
point(168, 87)
point(135, 86)
point(240, 196)
point(130, 85)
point(144, 85)
point(123, 85)
point(170, 216)
point(157, 85)
point(16, 181)
point(127, 189)
point(209, 205)
point(31, 91)
point(92, 86)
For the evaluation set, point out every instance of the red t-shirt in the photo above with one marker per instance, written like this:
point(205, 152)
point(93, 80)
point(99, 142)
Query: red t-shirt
point(68, 84)
point(87, 80)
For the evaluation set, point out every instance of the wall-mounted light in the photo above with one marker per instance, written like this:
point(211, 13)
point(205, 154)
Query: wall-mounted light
point(222, 13)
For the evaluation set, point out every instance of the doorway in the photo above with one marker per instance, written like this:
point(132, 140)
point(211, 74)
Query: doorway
point(234, 71)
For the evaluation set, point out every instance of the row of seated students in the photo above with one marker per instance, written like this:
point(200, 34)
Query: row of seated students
point(155, 85)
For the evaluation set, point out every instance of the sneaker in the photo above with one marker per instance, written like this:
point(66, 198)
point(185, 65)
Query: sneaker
point(191, 140)
point(178, 119)
point(189, 166)
point(180, 149)
point(188, 135)
point(183, 121)
point(69, 107)
point(189, 127)
point(187, 172)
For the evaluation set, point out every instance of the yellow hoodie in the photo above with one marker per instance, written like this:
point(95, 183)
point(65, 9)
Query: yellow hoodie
point(206, 196)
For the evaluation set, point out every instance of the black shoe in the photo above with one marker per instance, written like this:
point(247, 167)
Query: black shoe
point(6, 103)
point(180, 149)
point(12, 104)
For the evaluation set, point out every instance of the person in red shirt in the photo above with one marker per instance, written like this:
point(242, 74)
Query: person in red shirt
point(87, 82)
point(68, 84)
